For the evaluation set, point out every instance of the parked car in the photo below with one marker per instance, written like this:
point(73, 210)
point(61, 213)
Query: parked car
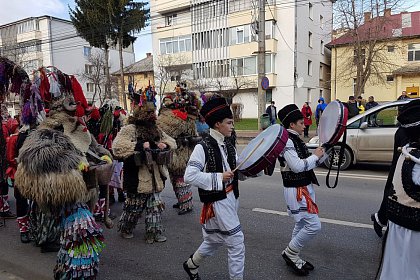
point(370, 136)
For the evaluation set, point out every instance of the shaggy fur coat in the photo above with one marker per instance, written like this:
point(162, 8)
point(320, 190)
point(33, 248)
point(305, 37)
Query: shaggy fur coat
point(48, 169)
point(123, 147)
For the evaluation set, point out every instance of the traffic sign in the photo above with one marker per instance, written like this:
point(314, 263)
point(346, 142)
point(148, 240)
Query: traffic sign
point(265, 83)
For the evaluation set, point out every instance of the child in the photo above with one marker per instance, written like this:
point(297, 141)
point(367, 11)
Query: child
point(210, 169)
point(298, 176)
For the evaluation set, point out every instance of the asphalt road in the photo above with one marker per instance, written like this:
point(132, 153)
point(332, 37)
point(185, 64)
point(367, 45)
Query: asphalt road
point(346, 248)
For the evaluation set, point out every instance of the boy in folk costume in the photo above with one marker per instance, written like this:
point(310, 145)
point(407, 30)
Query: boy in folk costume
point(210, 169)
point(297, 166)
point(402, 245)
point(144, 179)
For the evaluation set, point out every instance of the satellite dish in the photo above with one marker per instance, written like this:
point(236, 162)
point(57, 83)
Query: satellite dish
point(299, 82)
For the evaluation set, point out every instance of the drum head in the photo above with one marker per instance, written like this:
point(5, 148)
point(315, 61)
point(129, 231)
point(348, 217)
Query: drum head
point(332, 123)
point(265, 142)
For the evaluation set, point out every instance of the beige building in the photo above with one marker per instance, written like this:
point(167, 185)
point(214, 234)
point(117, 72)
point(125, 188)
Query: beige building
point(396, 58)
point(138, 75)
point(213, 46)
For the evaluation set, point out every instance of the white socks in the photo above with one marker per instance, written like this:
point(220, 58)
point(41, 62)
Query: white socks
point(293, 255)
point(194, 262)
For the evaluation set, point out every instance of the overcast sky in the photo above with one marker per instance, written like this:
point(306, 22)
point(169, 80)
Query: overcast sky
point(13, 10)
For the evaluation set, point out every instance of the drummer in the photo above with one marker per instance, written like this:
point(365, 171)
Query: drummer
point(209, 169)
point(297, 166)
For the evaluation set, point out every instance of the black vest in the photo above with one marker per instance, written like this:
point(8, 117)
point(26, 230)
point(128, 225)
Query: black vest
point(214, 162)
point(292, 179)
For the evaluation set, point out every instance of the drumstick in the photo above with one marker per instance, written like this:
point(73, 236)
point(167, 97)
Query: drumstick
point(248, 156)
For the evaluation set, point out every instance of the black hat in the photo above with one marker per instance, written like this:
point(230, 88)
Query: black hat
point(216, 110)
point(289, 113)
point(410, 114)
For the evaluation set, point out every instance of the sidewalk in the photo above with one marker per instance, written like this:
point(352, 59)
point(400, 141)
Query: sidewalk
point(244, 136)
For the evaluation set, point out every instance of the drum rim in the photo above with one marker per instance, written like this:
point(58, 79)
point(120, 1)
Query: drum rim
point(338, 126)
point(282, 132)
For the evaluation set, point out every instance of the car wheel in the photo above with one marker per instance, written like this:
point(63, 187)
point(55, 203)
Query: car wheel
point(334, 158)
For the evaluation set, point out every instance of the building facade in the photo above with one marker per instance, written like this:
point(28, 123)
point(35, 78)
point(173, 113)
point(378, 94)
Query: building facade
point(50, 41)
point(394, 55)
point(216, 44)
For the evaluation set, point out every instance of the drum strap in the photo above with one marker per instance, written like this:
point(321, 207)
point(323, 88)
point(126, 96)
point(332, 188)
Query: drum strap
point(340, 160)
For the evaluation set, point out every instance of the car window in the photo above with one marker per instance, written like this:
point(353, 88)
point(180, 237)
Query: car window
point(354, 124)
point(384, 118)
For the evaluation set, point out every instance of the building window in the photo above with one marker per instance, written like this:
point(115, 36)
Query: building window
point(175, 44)
point(361, 57)
point(240, 34)
point(244, 66)
point(322, 47)
point(90, 87)
point(309, 68)
point(321, 72)
point(88, 69)
point(310, 39)
point(311, 11)
point(87, 51)
point(391, 48)
point(268, 95)
point(389, 78)
point(31, 65)
point(145, 75)
point(413, 52)
point(321, 22)
point(28, 26)
point(170, 20)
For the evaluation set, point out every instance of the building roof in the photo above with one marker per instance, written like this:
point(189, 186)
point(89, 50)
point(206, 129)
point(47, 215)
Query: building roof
point(403, 25)
point(32, 18)
point(141, 66)
point(408, 69)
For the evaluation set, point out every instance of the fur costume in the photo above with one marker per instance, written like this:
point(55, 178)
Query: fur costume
point(144, 179)
point(177, 118)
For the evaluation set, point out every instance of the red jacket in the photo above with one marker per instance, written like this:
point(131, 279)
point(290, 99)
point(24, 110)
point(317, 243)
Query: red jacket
point(11, 155)
point(307, 115)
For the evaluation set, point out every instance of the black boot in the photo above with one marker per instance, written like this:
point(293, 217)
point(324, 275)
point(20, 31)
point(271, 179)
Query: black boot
point(7, 215)
point(188, 270)
point(24, 237)
point(298, 268)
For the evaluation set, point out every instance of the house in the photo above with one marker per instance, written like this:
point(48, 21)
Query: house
point(388, 48)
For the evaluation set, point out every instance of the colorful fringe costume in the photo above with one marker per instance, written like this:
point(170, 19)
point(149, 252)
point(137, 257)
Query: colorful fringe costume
point(144, 178)
point(177, 118)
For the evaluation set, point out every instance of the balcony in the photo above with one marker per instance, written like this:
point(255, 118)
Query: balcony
point(29, 36)
point(164, 7)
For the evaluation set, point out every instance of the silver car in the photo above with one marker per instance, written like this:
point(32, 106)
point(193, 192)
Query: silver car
point(370, 136)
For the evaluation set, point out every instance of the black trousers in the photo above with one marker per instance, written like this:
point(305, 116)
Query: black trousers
point(22, 205)
point(306, 130)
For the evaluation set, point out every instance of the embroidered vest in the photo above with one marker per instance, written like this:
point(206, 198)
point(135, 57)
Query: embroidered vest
point(404, 203)
point(214, 163)
point(292, 179)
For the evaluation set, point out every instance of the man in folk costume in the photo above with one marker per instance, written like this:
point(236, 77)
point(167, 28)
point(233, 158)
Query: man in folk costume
point(139, 144)
point(210, 169)
point(402, 245)
point(297, 166)
point(177, 119)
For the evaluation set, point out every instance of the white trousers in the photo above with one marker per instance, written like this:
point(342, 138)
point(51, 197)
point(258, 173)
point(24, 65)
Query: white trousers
point(305, 230)
point(236, 251)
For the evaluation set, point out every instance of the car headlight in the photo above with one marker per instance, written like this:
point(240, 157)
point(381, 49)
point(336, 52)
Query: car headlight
point(314, 140)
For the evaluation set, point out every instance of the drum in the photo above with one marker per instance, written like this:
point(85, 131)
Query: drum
point(263, 150)
point(332, 123)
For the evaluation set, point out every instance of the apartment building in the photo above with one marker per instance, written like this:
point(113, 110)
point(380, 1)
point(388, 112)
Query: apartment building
point(215, 45)
point(49, 41)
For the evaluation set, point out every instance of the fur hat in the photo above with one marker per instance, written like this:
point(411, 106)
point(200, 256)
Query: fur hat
point(288, 114)
point(410, 114)
point(216, 110)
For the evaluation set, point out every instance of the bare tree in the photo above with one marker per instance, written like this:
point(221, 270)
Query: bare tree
point(369, 24)
point(170, 69)
point(95, 74)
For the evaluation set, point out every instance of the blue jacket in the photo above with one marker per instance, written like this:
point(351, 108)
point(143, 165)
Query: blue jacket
point(320, 108)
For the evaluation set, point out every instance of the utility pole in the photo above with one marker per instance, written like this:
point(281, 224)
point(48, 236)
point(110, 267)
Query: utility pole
point(261, 61)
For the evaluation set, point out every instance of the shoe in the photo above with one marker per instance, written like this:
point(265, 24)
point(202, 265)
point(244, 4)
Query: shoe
point(176, 206)
point(160, 238)
point(50, 247)
point(376, 226)
point(308, 266)
point(299, 271)
point(127, 235)
point(188, 271)
point(184, 211)
point(24, 237)
point(121, 197)
point(7, 215)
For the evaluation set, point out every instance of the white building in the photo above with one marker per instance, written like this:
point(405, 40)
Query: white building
point(50, 41)
point(217, 41)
